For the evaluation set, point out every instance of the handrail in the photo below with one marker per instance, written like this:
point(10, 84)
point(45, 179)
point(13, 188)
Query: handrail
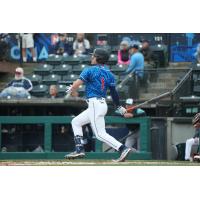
point(178, 86)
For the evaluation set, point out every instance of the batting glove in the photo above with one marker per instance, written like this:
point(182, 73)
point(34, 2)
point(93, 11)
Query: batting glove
point(121, 110)
point(69, 89)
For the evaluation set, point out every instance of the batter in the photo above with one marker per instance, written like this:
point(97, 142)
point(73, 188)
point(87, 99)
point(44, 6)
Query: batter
point(97, 79)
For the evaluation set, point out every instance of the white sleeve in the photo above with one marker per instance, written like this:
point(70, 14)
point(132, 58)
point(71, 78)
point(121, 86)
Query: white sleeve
point(87, 44)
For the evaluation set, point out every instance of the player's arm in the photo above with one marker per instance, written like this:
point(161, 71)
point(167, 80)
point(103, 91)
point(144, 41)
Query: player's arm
point(82, 78)
point(115, 98)
point(76, 84)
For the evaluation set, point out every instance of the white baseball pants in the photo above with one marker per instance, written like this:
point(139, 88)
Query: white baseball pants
point(94, 114)
point(188, 146)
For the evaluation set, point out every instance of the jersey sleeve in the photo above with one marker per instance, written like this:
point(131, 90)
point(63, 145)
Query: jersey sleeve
point(112, 81)
point(85, 75)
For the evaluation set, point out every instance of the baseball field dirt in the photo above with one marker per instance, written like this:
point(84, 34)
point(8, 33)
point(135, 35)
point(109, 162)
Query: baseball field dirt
point(95, 163)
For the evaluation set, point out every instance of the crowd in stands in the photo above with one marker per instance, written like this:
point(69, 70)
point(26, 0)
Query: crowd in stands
point(132, 54)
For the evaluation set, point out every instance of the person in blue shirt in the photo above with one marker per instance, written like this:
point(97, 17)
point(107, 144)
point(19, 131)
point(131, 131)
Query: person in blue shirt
point(136, 62)
point(98, 79)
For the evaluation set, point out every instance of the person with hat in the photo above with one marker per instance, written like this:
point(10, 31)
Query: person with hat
point(136, 62)
point(19, 87)
point(133, 140)
point(195, 139)
point(123, 53)
point(98, 79)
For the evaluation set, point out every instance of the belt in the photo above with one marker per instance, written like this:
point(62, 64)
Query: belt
point(95, 98)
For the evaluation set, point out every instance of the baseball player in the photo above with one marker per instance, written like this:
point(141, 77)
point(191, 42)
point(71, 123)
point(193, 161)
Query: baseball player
point(194, 140)
point(97, 79)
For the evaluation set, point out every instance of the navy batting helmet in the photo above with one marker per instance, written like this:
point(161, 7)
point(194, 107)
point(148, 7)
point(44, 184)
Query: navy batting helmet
point(101, 55)
point(196, 119)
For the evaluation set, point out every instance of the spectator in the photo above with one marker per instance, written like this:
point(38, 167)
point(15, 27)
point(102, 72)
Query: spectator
point(136, 62)
point(19, 87)
point(4, 47)
point(63, 47)
point(53, 92)
point(197, 54)
point(195, 139)
point(28, 43)
point(123, 53)
point(149, 56)
point(133, 140)
point(81, 46)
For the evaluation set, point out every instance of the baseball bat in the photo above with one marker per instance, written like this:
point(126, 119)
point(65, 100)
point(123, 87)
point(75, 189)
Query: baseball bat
point(166, 94)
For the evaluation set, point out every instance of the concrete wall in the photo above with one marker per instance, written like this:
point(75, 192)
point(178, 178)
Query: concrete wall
point(178, 130)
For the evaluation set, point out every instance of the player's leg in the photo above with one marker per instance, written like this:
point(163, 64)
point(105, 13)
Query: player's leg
point(30, 45)
point(77, 124)
point(188, 147)
point(97, 111)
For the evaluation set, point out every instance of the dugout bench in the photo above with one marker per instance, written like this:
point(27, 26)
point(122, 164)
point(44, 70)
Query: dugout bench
point(48, 121)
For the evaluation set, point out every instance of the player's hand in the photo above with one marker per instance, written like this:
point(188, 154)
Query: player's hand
point(121, 110)
point(128, 115)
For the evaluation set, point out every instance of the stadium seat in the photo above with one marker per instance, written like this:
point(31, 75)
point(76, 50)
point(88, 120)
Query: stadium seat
point(86, 60)
point(62, 69)
point(61, 90)
point(160, 52)
point(52, 79)
point(39, 90)
point(43, 70)
point(69, 79)
point(118, 69)
point(112, 60)
point(115, 49)
point(81, 90)
point(123, 92)
point(71, 60)
point(34, 78)
point(77, 69)
point(54, 59)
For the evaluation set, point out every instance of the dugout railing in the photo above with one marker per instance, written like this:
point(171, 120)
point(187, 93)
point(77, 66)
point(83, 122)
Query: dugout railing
point(48, 121)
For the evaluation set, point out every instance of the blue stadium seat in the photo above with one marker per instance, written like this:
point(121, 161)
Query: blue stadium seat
point(34, 78)
point(43, 70)
point(52, 79)
point(39, 90)
point(62, 69)
point(54, 59)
